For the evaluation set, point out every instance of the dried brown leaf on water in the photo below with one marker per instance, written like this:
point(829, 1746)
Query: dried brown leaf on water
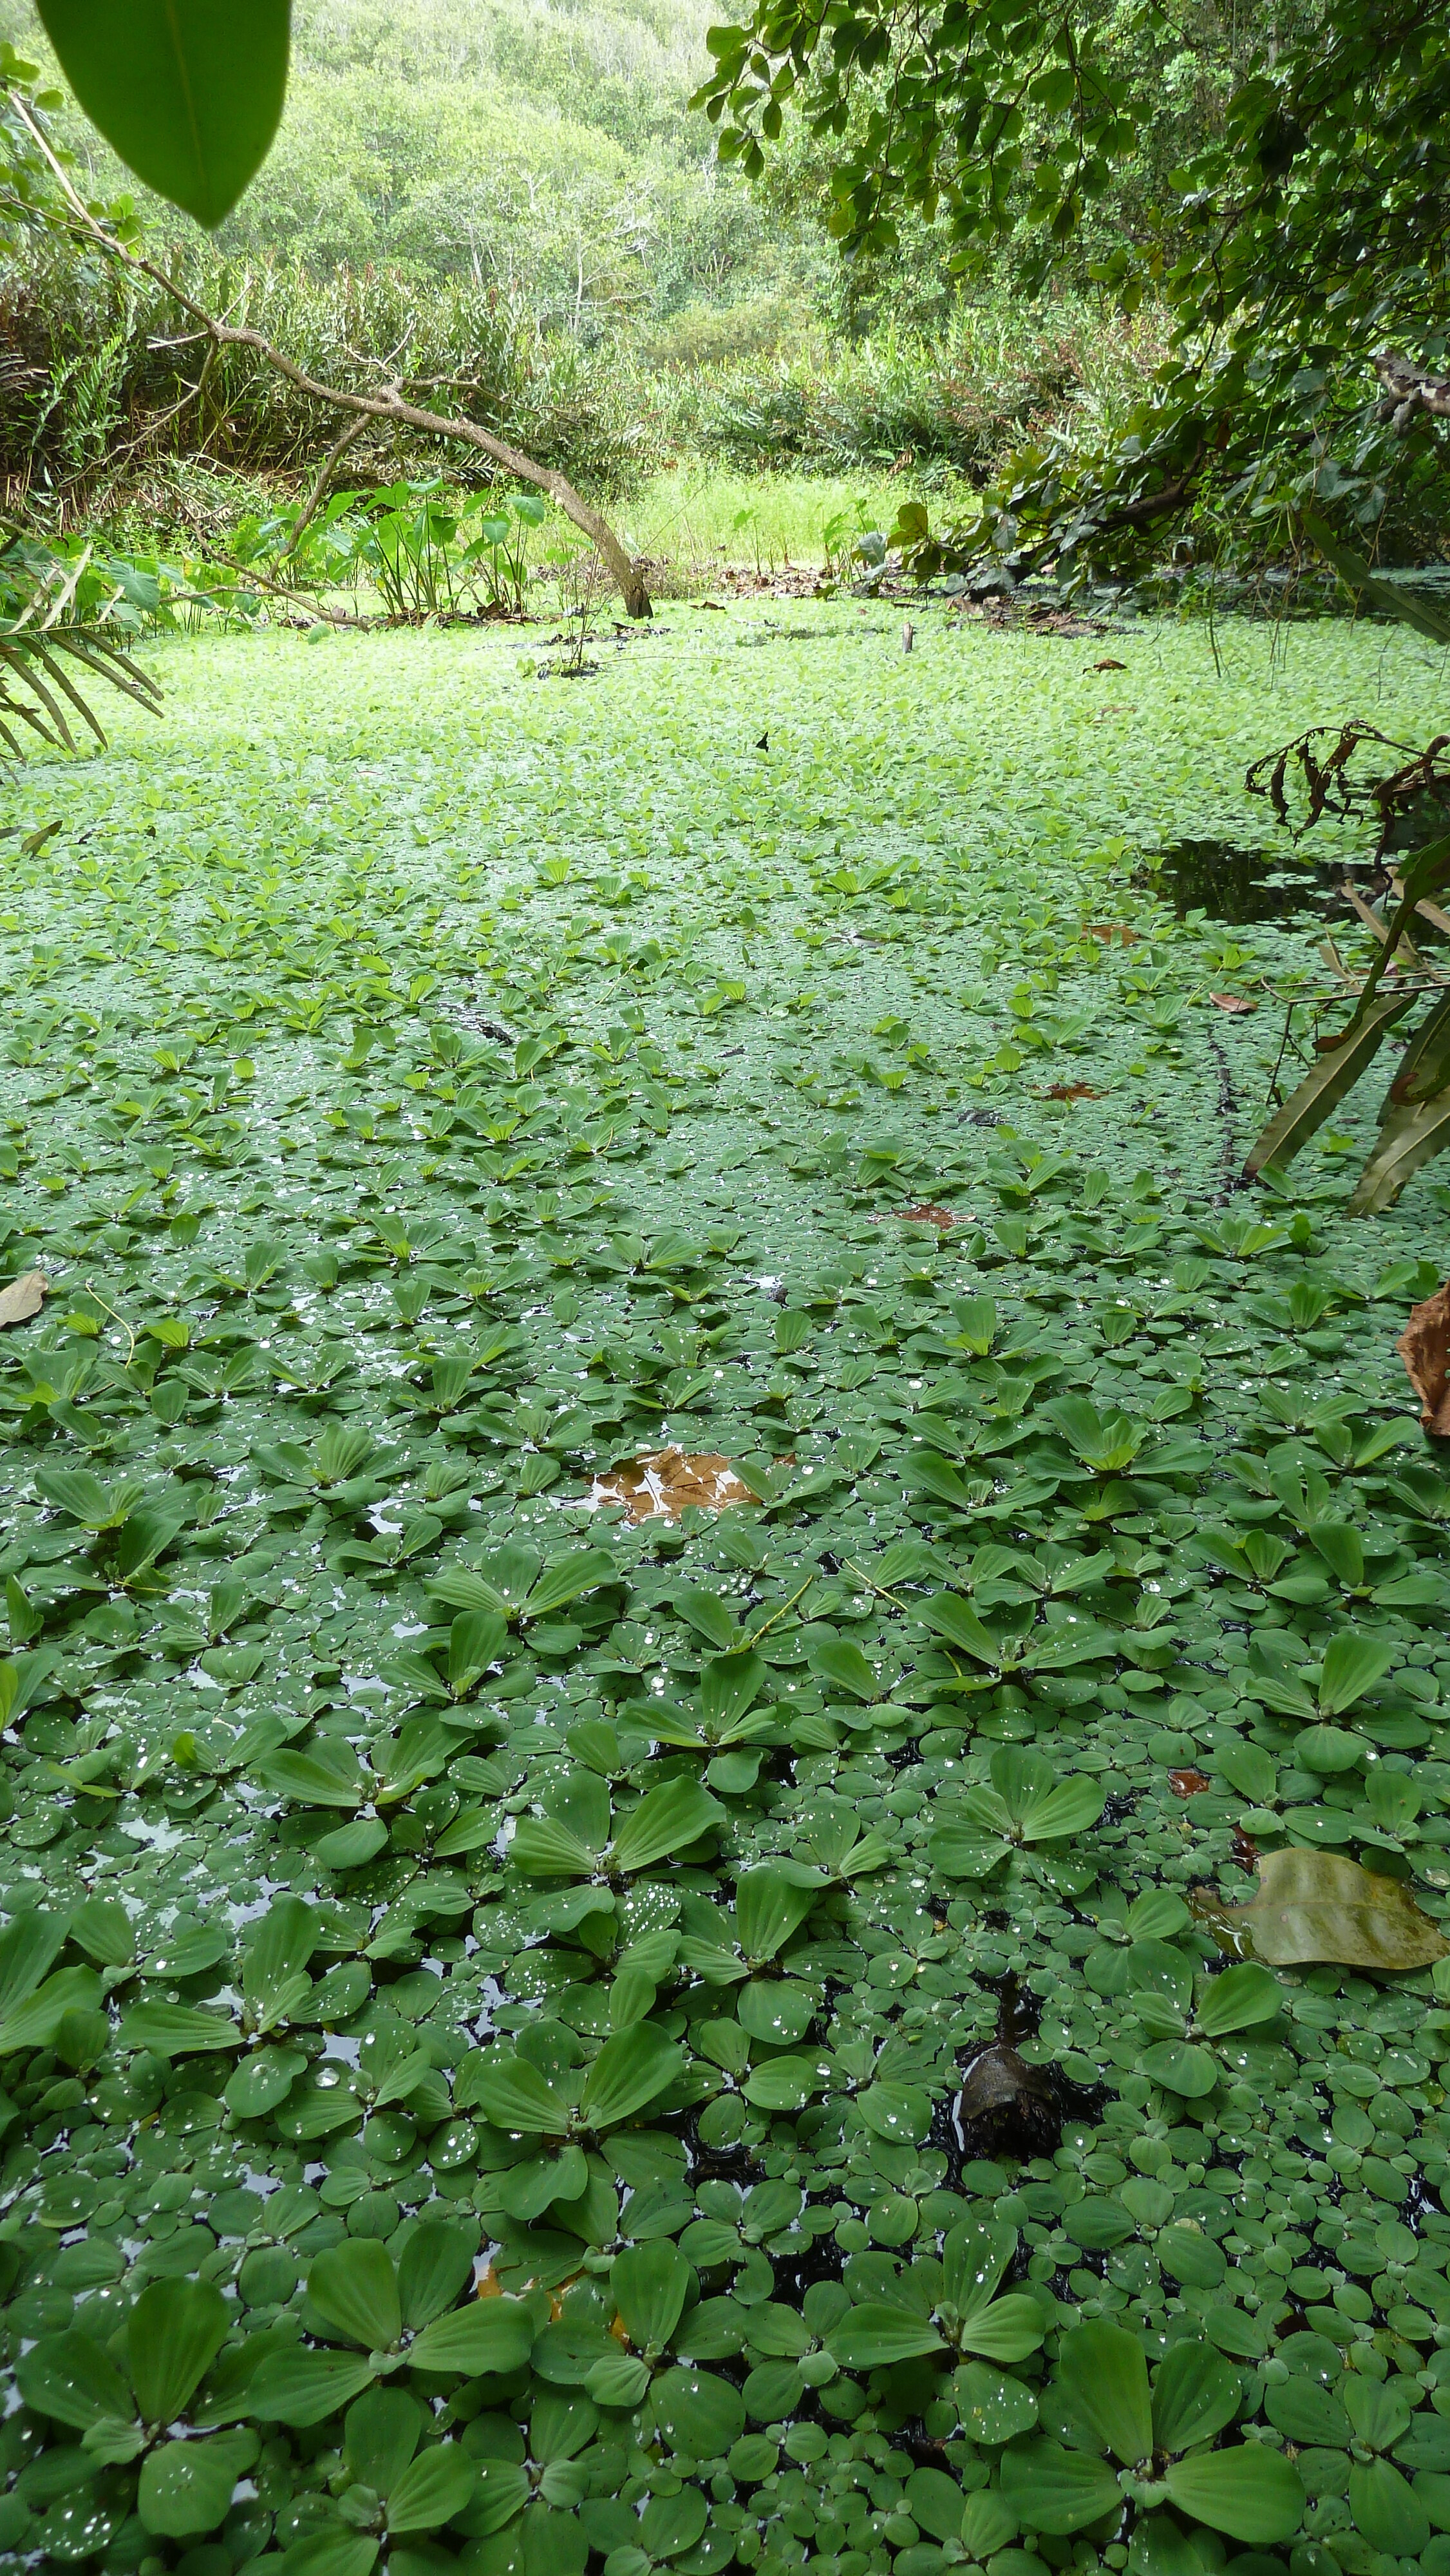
point(21, 1298)
point(1316, 1905)
point(1233, 1002)
point(1424, 1346)
point(1109, 931)
point(669, 1481)
point(1072, 1091)
point(1188, 1783)
point(929, 1214)
point(1110, 665)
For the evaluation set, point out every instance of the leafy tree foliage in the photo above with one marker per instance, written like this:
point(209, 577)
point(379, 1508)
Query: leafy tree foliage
point(1308, 224)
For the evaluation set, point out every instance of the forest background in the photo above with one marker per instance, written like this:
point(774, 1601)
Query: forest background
point(515, 201)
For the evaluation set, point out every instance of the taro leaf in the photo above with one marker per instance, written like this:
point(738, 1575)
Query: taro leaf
point(1235, 2000)
point(435, 2263)
point(770, 1903)
point(873, 2335)
point(354, 2289)
point(1103, 2379)
point(72, 2379)
point(1252, 2493)
point(633, 2068)
point(301, 2387)
point(665, 1823)
point(489, 2335)
point(518, 2099)
point(650, 2284)
point(383, 2431)
point(1057, 2491)
point(186, 2487)
point(1316, 1905)
point(1320, 1093)
point(1195, 2393)
point(432, 2489)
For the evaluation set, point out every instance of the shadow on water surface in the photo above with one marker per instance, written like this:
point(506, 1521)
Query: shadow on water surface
point(1237, 885)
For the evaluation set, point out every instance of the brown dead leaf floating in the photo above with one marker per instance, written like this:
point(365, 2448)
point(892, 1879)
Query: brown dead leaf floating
point(928, 1214)
point(1072, 1091)
point(21, 1298)
point(1234, 1003)
point(1315, 1905)
point(1424, 1346)
point(668, 1482)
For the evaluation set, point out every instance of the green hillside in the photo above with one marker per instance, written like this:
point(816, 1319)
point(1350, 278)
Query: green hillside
point(542, 152)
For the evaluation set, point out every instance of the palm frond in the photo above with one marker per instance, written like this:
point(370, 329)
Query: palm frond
point(66, 623)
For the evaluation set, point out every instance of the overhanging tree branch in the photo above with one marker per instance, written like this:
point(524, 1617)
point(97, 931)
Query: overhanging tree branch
point(385, 403)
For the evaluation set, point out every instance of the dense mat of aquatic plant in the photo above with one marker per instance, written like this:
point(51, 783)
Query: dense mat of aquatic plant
point(538, 2041)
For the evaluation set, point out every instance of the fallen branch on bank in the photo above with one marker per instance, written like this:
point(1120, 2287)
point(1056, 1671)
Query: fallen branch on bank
point(384, 403)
